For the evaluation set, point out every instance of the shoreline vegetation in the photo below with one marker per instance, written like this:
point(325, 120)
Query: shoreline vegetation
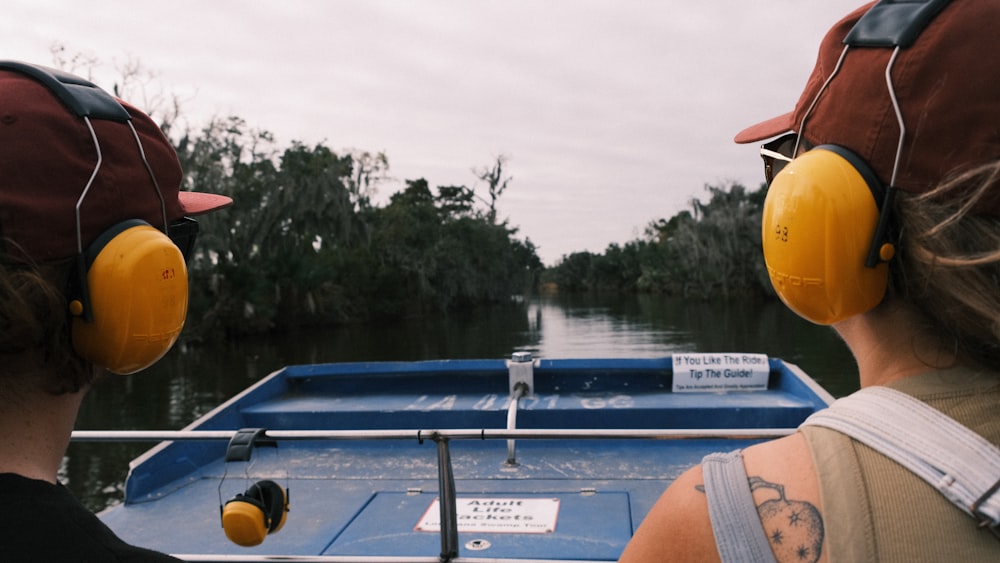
point(305, 246)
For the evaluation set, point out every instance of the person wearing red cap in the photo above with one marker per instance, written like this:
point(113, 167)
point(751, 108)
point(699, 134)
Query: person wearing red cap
point(94, 231)
point(882, 220)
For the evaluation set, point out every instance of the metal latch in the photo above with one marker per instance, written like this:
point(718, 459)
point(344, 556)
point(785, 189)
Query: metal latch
point(521, 373)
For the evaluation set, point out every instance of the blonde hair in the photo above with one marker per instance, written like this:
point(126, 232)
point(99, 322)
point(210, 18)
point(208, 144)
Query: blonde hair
point(948, 262)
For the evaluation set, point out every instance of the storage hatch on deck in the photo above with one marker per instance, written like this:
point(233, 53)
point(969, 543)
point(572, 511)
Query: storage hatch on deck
point(584, 525)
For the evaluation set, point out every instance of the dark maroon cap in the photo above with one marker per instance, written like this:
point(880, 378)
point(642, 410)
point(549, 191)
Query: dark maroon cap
point(47, 156)
point(948, 90)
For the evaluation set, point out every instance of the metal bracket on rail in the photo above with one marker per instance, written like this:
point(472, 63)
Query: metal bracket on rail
point(521, 370)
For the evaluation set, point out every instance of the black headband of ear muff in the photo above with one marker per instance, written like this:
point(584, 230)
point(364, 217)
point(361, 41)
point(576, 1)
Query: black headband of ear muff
point(82, 97)
point(893, 23)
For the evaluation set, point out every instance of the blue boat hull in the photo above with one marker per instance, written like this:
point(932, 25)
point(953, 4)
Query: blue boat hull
point(596, 442)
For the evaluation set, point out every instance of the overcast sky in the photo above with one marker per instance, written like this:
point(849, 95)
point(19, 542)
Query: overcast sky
point(612, 113)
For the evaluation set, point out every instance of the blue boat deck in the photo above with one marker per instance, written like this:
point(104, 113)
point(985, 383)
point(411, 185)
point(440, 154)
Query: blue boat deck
point(362, 496)
point(594, 396)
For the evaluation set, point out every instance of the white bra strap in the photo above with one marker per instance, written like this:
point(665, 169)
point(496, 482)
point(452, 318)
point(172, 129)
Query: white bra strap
point(959, 463)
point(739, 535)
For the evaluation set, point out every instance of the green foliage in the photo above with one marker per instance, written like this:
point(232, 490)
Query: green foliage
point(712, 250)
point(436, 253)
point(303, 245)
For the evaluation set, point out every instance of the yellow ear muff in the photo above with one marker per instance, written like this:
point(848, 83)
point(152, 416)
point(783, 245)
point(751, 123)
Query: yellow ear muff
point(138, 291)
point(819, 221)
point(249, 517)
point(243, 522)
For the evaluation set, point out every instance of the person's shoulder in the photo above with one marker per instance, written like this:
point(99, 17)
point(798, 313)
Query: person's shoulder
point(38, 509)
point(678, 527)
point(786, 491)
point(786, 494)
point(786, 461)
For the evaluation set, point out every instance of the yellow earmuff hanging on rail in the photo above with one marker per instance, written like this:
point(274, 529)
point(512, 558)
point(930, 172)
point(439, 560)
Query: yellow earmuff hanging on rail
point(133, 300)
point(819, 225)
point(249, 517)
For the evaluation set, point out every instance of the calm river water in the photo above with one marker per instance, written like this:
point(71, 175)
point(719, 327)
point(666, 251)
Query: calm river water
point(189, 382)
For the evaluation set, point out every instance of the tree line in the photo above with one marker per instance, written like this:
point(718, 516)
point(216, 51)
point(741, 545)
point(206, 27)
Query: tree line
point(710, 251)
point(304, 245)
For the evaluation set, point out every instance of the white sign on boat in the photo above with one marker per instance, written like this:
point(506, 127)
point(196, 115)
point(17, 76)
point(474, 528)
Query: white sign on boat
point(498, 515)
point(720, 372)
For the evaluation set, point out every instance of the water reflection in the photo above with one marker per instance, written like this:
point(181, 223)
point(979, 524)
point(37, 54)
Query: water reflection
point(189, 382)
point(601, 327)
point(652, 326)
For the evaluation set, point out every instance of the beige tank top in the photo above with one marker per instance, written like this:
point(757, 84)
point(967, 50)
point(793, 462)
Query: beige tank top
point(875, 510)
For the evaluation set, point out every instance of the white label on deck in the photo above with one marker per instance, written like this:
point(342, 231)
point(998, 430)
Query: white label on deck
point(720, 372)
point(501, 515)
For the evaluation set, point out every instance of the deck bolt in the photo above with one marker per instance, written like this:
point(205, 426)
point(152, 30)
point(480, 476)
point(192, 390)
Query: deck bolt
point(477, 545)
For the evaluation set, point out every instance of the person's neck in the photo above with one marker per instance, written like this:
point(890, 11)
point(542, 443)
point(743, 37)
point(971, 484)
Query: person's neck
point(35, 432)
point(889, 344)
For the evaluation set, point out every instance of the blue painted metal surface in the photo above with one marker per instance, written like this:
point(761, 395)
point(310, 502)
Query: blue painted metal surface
point(365, 496)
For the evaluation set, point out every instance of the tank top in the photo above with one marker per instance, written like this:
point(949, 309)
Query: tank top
point(876, 510)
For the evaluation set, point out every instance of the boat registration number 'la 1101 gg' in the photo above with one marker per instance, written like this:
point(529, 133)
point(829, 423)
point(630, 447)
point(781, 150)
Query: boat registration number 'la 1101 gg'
point(500, 515)
point(720, 372)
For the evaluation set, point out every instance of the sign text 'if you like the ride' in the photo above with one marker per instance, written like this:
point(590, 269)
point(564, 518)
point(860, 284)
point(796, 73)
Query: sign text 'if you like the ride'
point(720, 372)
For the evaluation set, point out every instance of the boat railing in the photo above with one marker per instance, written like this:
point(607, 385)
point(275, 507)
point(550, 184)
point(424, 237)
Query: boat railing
point(354, 559)
point(520, 390)
point(451, 434)
point(446, 478)
point(521, 380)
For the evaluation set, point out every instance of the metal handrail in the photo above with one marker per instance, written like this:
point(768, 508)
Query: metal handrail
point(520, 390)
point(453, 434)
point(209, 558)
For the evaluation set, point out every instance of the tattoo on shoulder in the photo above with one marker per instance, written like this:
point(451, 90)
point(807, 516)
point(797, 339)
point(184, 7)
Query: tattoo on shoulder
point(794, 528)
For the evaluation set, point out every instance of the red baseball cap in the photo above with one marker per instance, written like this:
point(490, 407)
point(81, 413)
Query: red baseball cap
point(948, 90)
point(48, 155)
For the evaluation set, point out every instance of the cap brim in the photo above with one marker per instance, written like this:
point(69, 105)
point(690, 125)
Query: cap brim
point(766, 129)
point(198, 203)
